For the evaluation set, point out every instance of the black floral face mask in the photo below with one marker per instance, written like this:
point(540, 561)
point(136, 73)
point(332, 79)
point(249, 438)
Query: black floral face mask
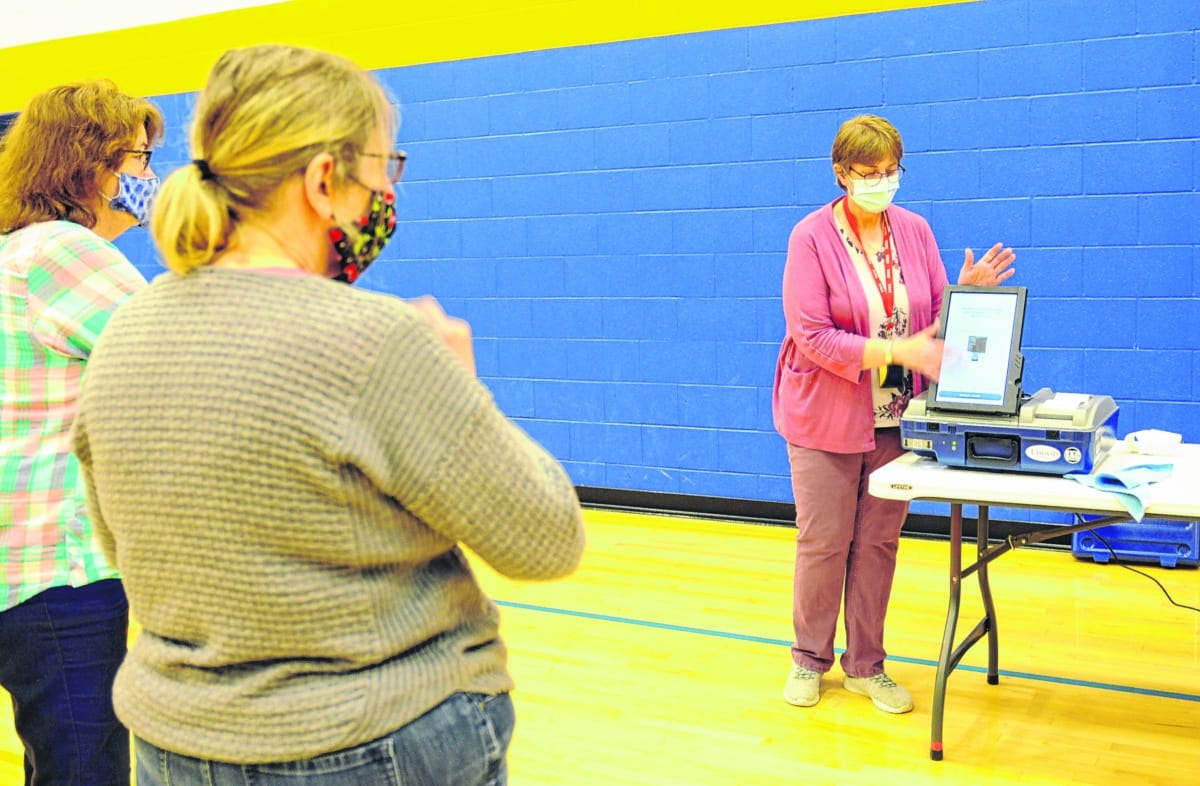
point(360, 246)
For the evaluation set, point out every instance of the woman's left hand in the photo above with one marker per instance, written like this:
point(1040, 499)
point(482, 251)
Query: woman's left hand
point(994, 268)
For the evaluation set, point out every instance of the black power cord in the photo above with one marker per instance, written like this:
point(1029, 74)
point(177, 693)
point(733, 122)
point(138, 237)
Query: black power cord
point(1116, 559)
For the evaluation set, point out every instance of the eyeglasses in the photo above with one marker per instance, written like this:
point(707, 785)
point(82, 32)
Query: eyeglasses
point(144, 155)
point(395, 163)
point(874, 178)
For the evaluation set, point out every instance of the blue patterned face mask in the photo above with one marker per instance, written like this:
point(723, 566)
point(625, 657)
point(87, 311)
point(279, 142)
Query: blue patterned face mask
point(134, 195)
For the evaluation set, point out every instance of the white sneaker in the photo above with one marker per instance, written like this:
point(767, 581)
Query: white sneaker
point(884, 692)
point(803, 688)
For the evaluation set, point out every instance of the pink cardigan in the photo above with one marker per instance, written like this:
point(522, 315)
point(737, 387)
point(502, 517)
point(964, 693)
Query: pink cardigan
point(822, 395)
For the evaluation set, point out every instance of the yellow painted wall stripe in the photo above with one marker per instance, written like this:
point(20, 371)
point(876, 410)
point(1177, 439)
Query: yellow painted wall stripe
point(175, 57)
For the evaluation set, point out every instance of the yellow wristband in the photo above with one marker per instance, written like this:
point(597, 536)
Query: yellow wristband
point(887, 355)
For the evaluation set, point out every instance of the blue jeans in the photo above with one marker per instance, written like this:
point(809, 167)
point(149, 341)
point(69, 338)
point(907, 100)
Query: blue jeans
point(59, 652)
point(460, 742)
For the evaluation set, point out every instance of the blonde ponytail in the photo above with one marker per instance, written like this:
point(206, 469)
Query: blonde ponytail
point(262, 116)
point(191, 221)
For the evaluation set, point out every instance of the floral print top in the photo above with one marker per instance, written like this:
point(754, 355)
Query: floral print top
point(889, 403)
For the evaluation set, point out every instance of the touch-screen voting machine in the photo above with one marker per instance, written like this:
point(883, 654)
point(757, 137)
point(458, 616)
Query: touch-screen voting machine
point(976, 415)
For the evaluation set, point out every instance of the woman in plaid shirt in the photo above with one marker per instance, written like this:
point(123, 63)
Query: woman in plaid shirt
point(74, 175)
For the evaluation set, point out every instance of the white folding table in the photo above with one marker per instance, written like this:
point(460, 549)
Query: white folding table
point(911, 477)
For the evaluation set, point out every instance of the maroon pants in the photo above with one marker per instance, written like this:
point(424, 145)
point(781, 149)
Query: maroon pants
point(846, 540)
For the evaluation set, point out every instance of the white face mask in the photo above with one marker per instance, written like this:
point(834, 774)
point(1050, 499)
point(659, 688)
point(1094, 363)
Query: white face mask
point(874, 198)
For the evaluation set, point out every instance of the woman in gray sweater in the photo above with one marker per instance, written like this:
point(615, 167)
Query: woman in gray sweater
point(283, 467)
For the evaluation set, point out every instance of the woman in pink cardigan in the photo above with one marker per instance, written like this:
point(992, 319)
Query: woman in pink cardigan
point(861, 293)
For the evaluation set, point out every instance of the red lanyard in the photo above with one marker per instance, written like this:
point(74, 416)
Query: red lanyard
point(887, 290)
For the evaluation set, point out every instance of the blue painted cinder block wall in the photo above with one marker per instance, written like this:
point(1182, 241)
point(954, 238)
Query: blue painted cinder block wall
point(613, 219)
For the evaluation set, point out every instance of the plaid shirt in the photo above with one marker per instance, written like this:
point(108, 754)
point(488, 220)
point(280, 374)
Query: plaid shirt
point(59, 284)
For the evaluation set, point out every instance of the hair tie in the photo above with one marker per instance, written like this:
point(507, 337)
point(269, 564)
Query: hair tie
point(205, 172)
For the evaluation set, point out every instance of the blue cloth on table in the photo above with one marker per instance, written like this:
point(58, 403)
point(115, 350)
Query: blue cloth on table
point(1131, 485)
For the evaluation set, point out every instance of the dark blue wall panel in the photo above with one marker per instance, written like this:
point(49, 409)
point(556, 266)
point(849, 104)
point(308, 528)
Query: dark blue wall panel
point(613, 219)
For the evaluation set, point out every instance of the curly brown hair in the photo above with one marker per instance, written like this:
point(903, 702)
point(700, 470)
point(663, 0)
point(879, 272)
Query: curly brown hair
point(54, 154)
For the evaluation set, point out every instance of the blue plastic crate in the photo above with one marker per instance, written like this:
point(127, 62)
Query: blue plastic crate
point(1169, 543)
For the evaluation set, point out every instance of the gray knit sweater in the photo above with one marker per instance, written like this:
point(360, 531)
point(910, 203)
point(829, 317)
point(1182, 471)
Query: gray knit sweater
point(282, 468)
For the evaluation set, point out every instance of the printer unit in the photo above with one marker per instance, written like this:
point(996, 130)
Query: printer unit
point(1051, 433)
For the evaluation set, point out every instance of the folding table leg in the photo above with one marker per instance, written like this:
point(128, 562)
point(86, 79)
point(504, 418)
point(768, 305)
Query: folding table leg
point(944, 658)
point(985, 590)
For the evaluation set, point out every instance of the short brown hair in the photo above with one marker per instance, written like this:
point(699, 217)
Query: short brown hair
point(53, 155)
point(866, 140)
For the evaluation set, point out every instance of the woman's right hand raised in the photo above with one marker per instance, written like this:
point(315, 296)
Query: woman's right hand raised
point(921, 352)
point(452, 330)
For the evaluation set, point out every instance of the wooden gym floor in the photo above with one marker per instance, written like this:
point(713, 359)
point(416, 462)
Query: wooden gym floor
point(662, 661)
